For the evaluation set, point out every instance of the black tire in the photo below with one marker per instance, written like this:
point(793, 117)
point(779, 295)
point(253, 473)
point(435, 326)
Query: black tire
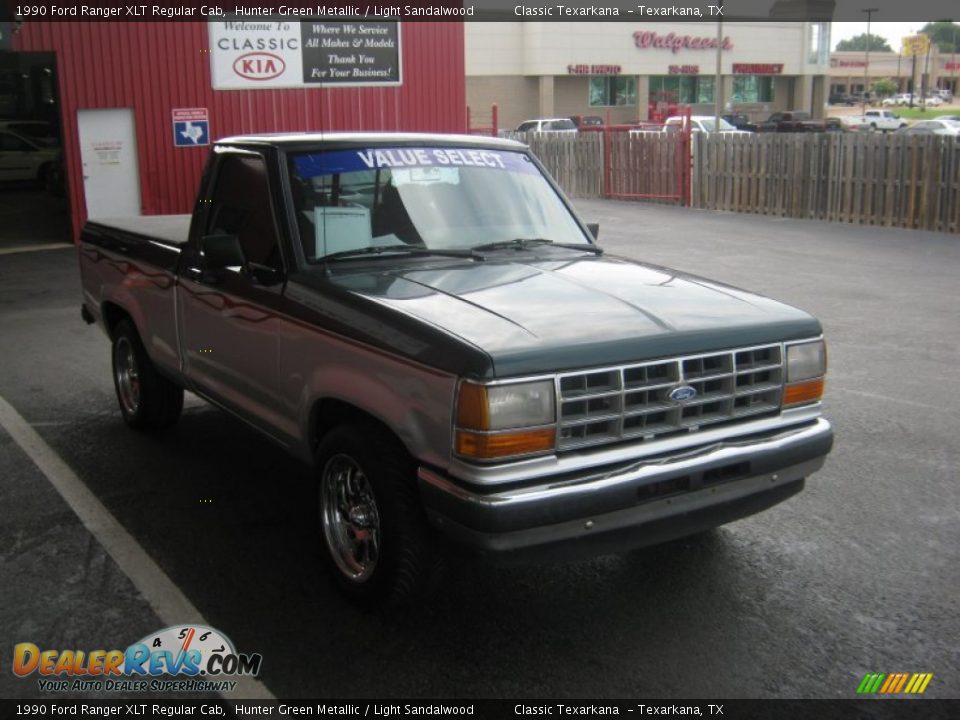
point(378, 546)
point(148, 401)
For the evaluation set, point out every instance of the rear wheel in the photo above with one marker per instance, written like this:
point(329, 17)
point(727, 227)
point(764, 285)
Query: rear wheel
point(379, 548)
point(148, 401)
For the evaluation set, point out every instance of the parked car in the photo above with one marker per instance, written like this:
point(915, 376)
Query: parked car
point(701, 124)
point(841, 99)
point(740, 121)
point(426, 321)
point(934, 126)
point(40, 132)
point(846, 123)
point(22, 159)
point(932, 101)
point(899, 100)
point(547, 125)
point(945, 94)
point(791, 121)
point(582, 121)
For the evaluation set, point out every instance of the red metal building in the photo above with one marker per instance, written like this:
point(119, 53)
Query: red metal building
point(153, 68)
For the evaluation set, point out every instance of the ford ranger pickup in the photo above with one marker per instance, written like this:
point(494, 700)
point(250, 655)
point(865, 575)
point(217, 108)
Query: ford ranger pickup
point(427, 321)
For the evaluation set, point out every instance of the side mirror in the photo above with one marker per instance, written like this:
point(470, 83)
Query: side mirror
point(221, 252)
point(594, 229)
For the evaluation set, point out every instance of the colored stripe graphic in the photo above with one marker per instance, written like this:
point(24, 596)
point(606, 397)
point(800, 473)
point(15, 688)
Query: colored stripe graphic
point(888, 683)
point(894, 683)
point(913, 684)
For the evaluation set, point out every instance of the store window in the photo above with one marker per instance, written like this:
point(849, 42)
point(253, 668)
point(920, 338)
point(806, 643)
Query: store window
point(686, 89)
point(612, 91)
point(752, 89)
point(819, 45)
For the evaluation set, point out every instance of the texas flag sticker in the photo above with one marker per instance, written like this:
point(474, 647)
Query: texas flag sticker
point(191, 127)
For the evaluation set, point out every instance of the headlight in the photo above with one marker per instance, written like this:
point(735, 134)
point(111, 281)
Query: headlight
point(500, 421)
point(806, 366)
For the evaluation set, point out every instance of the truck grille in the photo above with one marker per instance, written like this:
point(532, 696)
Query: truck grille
point(632, 402)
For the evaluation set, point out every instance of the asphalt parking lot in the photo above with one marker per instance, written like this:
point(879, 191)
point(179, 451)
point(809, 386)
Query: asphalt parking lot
point(859, 573)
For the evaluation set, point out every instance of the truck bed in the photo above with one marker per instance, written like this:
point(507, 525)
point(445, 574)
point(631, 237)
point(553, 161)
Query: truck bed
point(167, 229)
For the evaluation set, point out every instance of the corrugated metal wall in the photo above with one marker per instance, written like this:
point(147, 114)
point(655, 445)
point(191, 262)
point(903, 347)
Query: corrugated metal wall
point(156, 67)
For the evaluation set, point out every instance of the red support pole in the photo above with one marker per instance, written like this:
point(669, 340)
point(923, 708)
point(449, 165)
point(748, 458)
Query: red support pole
point(683, 159)
point(606, 160)
point(495, 115)
point(469, 129)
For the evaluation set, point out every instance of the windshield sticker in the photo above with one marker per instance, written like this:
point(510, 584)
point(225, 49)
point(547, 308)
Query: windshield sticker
point(341, 161)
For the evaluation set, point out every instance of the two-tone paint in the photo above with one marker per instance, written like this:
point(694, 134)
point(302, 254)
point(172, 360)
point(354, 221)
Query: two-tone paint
point(391, 338)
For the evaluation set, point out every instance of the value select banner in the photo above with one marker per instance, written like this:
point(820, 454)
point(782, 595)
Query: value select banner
point(251, 55)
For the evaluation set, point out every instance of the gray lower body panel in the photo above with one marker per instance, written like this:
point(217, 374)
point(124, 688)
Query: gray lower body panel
point(615, 509)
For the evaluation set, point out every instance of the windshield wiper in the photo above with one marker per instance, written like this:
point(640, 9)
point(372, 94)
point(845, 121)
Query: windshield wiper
point(523, 243)
point(394, 249)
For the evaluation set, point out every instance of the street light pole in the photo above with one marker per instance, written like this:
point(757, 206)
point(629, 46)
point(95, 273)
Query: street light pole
point(866, 67)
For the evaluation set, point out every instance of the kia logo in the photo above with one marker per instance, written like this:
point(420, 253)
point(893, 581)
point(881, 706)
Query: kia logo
point(259, 66)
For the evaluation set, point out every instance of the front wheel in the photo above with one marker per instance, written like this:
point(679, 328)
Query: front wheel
point(379, 548)
point(148, 401)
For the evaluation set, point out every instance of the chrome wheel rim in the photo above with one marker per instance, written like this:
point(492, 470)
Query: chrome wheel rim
point(351, 520)
point(127, 376)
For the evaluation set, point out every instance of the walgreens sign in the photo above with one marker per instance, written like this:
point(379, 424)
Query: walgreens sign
point(644, 39)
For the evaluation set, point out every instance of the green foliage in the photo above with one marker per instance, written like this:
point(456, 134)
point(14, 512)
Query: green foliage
point(859, 42)
point(945, 34)
point(884, 87)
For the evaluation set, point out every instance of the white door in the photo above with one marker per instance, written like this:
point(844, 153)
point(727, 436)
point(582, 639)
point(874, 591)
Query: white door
point(108, 151)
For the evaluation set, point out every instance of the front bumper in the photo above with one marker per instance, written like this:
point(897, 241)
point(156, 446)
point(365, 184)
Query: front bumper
point(631, 504)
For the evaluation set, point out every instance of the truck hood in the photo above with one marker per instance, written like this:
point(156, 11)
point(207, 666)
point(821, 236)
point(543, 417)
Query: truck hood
point(552, 311)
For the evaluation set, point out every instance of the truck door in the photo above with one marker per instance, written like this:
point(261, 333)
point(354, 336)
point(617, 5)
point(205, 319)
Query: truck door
point(229, 322)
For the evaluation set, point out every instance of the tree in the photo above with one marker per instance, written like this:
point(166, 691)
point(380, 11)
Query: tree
point(884, 87)
point(859, 42)
point(944, 34)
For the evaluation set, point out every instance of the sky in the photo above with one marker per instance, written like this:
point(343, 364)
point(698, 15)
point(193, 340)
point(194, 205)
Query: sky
point(892, 31)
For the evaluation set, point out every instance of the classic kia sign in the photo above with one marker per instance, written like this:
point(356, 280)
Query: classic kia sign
point(310, 53)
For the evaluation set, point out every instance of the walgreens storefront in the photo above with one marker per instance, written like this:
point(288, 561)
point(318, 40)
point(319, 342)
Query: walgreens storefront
point(633, 72)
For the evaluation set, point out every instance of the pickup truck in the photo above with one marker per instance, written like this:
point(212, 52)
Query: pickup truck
point(790, 121)
point(427, 321)
point(873, 120)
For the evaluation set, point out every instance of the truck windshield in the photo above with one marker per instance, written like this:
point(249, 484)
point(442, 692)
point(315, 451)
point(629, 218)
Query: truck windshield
point(439, 198)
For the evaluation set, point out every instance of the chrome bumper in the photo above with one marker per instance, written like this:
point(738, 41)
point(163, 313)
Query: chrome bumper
point(631, 504)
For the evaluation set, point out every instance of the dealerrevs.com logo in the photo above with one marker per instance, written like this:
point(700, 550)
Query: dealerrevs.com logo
point(184, 658)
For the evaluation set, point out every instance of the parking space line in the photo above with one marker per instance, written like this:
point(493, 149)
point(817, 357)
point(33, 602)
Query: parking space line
point(166, 599)
point(34, 248)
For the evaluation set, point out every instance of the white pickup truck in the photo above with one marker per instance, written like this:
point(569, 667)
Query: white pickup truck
point(885, 120)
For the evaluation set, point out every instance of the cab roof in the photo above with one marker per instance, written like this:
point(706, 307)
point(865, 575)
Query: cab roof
point(322, 140)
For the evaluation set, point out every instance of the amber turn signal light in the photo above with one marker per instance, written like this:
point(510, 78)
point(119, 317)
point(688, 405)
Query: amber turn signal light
point(472, 407)
point(799, 393)
point(483, 446)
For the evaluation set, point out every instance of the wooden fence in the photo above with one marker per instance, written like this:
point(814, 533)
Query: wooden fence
point(872, 179)
point(575, 160)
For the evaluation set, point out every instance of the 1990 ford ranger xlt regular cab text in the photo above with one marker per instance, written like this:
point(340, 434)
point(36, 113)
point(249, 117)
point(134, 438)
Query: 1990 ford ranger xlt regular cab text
point(427, 321)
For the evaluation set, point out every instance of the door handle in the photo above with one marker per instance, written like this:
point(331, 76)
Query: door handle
point(194, 273)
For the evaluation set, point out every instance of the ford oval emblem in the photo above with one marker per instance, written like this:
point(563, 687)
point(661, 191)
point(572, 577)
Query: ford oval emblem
point(683, 393)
